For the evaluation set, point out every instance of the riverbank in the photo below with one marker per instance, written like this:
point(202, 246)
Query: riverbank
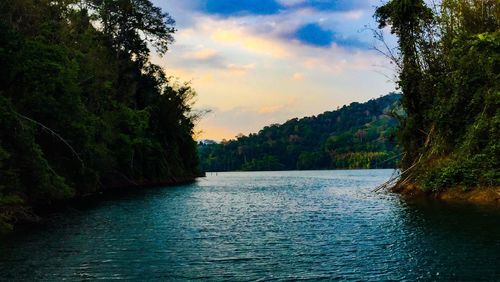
point(21, 216)
point(478, 195)
point(116, 188)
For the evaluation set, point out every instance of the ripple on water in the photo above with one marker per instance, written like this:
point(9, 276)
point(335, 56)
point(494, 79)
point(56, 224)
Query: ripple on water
point(265, 226)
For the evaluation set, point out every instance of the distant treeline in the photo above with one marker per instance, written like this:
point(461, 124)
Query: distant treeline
point(81, 106)
point(449, 74)
point(360, 135)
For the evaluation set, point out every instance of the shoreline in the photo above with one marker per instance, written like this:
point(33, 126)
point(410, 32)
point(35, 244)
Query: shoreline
point(31, 217)
point(479, 196)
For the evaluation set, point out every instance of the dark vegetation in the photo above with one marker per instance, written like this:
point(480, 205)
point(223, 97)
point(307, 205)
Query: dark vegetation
point(81, 106)
point(360, 135)
point(449, 63)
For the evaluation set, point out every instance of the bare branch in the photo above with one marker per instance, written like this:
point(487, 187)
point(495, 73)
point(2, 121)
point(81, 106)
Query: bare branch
point(54, 134)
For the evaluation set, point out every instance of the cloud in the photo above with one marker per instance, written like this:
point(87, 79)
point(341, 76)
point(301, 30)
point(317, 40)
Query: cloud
point(353, 14)
point(240, 69)
point(298, 76)
point(279, 19)
point(199, 57)
point(291, 3)
point(203, 54)
point(283, 107)
point(237, 8)
point(237, 35)
point(247, 62)
point(270, 109)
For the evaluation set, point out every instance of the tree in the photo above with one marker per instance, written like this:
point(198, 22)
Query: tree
point(133, 24)
point(449, 79)
point(411, 21)
point(319, 142)
point(81, 106)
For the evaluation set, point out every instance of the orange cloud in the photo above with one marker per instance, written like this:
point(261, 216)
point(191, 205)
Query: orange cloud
point(251, 77)
point(202, 54)
point(240, 69)
point(277, 108)
point(298, 76)
point(270, 109)
point(250, 42)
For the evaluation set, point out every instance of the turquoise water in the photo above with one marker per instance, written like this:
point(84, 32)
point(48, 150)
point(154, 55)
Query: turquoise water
point(308, 225)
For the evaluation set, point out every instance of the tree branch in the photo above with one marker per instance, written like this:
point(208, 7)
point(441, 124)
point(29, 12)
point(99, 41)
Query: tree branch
point(54, 134)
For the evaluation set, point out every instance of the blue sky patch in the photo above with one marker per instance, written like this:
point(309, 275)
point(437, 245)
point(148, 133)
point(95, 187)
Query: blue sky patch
point(332, 5)
point(314, 34)
point(238, 7)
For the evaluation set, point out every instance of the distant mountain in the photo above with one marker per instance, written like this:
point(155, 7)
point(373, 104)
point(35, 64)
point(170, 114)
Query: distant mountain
point(360, 135)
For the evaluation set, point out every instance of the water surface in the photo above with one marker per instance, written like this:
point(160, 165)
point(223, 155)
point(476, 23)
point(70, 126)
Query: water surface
point(308, 225)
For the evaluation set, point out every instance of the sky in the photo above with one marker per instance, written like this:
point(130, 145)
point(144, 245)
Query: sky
point(258, 62)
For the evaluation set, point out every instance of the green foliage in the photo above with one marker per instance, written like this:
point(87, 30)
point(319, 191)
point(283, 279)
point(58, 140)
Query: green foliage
point(449, 75)
point(449, 175)
point(132, 25)
point(410, 20)
point(355, 136)
point(267, 163)
point(460, 172)
point(364, 160)
point(81, 107)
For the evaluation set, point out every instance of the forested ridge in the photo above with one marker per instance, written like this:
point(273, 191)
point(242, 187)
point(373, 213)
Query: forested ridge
point(448, 62)
point(359, 135)
point(82, 108)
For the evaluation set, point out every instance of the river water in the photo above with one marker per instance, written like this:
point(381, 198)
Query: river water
point(262, 226)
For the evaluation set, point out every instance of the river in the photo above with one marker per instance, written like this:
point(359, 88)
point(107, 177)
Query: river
point(247, 226)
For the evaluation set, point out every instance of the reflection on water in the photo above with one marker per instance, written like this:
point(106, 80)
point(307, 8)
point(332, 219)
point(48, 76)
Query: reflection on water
point(263, 226)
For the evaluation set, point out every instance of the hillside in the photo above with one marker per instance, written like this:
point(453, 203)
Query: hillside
point(82, 109)
point(360, 135)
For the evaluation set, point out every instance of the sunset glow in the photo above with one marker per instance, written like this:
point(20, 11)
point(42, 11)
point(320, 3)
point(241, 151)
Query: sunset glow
point(254, 65)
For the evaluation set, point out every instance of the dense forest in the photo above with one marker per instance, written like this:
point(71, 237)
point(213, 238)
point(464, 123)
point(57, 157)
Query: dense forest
point(360, 135)
point(449, 74)
point(82, 108)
